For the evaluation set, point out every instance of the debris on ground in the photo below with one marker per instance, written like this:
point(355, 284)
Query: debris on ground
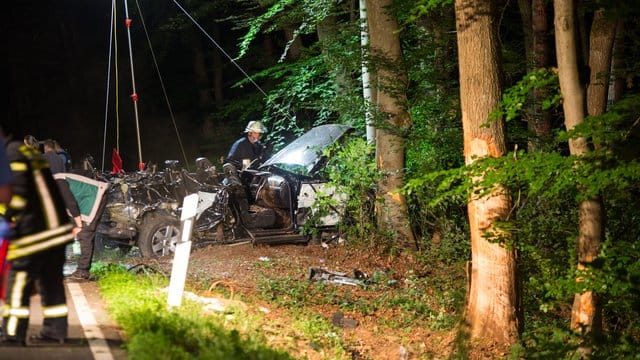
point(318, 274)
point(213, 303)
point(338, 319)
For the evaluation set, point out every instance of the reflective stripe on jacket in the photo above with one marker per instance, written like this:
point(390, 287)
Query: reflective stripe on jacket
point(36, 209)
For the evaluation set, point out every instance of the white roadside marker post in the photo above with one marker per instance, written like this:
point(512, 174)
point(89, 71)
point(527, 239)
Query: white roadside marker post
point(183, 249)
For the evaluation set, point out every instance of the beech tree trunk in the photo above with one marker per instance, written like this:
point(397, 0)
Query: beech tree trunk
point(585, 315)
point(540, 122)
point(390, 84)
point(493, 299)
point(618, 65)
point(601, 42)
point(526, 15)
point(535, 28)
point(586, 312)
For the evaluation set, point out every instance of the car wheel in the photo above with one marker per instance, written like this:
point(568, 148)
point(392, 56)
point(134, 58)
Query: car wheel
point(158, 235)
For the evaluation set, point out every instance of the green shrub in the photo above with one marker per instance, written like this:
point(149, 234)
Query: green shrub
point(154, 331)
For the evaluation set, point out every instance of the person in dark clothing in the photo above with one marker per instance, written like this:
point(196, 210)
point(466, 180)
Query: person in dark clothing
point(56, 166)
point(64, 155)
point(247, 152)
point(56, 163)
point(40, 230)
point(86, 200)
point(73, 198)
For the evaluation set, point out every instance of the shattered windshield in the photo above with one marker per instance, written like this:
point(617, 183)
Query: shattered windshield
point(303, 154)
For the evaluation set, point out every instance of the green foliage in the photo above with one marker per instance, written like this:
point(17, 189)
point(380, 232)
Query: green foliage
point(547, 342)
point(423, 7)
point(183, 333)
point(305, 94)
point(546, 188)
point(352, 171)
point(515, 98)
point(260, 22)
point(295, 103)
point(300, 16)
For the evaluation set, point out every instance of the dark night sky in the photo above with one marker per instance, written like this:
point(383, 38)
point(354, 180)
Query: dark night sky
point(55, 75)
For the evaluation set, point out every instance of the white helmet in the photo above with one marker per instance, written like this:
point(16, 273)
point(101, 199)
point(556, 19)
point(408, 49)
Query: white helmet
point(256, 127)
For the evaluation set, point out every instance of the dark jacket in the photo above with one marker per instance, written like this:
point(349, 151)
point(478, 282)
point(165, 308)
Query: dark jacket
point(244, 149)
point(56, 163)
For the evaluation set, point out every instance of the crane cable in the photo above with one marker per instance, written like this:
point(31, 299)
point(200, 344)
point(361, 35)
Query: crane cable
point(164, 90)
point(106, 103)
point(115, 50)
point(134, 94)
point(233, 61)
point(220, 48)
point(112, 38)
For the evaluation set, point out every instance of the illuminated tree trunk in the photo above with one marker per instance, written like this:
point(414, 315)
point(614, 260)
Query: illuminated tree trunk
point(586, 311)
point(493, 300)
point(390, 84)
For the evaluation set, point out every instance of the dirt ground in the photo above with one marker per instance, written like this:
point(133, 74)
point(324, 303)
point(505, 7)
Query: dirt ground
point(240, 267)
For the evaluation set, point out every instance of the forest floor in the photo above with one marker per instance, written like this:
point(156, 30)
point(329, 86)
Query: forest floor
point(374, 333)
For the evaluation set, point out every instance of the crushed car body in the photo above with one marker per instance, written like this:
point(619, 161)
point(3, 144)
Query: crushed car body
point(143, 208)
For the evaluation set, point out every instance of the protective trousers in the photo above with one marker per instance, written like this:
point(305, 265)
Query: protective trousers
point(47, 268)
point(86, 238)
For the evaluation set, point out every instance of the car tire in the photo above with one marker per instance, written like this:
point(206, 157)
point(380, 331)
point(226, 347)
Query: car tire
point(158, 235)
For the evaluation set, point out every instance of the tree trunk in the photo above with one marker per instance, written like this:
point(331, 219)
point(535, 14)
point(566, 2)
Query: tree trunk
point(218, 71)
point(618, 65)
point(601, 41)
point(296, 44)
point(526, 15)
point(585, 315)
point(327, 30)
point(390, 84)
point(535, 29)
point(540, 122)
point(205, 100)
point(493, 300)
point(570, 86)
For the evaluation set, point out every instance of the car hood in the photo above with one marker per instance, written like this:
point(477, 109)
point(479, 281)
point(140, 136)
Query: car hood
point(304, 155)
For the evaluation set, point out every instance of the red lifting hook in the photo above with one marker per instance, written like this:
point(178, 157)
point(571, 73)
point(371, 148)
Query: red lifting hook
point(134, 97)
point(127, 22)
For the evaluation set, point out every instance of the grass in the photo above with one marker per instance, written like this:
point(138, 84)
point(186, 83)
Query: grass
point(298, 327)
point(412, 303)
point(154, 331)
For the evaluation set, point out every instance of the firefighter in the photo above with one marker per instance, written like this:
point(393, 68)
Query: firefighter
point(40, 230)
point(248, 151)
point(245, 153)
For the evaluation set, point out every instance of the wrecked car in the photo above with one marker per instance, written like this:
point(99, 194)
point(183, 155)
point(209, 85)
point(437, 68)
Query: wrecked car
point(143, 208)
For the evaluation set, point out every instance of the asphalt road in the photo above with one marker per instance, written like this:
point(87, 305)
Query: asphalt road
point(92, 334)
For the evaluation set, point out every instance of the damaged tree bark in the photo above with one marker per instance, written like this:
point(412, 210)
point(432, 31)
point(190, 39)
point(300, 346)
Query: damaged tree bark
point(492, 311)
